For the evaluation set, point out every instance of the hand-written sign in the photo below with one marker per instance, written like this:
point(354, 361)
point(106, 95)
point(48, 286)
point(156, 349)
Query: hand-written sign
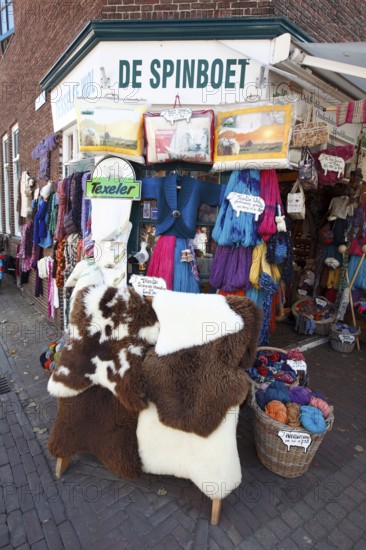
point(246, 203)
point(147, 286)
point(320, 302)
point(172, 115)
point(331, 164)
point(295, 439)
point(346, 338)
point(113, 188)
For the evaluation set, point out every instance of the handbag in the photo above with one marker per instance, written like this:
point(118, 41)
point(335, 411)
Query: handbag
point(296, 202)
point(309, 133)
point(308, 175)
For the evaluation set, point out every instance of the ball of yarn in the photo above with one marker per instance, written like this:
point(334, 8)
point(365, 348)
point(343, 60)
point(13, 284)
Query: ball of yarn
point(274, 357)
point(261, 399)
point(277, 411)
point(321, 405)
point(293, 415)
point(277, 391)
point(286, 378)
point(312, 419)
point(263, 371)
point(300, 395)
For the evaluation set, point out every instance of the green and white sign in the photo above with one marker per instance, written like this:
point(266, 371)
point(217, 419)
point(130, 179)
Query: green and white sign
point(113, 188)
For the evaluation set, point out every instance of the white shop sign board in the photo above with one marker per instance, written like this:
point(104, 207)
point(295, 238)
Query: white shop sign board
point(203, 73)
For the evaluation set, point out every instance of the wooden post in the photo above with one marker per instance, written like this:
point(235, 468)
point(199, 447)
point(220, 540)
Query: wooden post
point(61, 465)
point(216, 509)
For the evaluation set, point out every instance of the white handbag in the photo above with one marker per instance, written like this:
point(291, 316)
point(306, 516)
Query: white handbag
point(296, 202)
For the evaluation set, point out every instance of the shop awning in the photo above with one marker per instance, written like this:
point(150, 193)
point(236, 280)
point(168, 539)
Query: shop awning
point(342, 64)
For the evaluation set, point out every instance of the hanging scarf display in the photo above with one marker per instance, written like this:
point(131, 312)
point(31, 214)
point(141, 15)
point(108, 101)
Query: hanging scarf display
point(26, 245)
point(270, 193)
point(43, 153)
point(270, 287)
point(231, 267)
point(52, 213)
point(233, 228)
point(62, 199)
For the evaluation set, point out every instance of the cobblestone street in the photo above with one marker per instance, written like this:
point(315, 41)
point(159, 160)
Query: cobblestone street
point(91, 508)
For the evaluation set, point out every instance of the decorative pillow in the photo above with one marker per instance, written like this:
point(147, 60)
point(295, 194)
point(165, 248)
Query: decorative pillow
point(257, 137)
point(109, 125)
point(186, 140)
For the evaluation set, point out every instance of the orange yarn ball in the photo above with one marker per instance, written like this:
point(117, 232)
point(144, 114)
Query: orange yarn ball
point(277, 411)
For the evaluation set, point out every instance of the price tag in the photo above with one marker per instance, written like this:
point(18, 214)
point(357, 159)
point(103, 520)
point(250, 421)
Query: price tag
point(246, 203)
point(295, 439)
point(147, 286)
point(320, 302)
point(331, 164)
point(172, 115)
point(346, 338)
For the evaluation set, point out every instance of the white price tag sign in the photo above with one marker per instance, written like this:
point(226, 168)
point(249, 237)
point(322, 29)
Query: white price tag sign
point(295, 439)
point(346, 338)
point(320, 302)
point(147, 286)
point(246, 203)
point(331, 164)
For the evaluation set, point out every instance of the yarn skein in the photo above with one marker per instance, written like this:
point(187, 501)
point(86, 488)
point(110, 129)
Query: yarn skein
point(293, 413)
point(312, 419)
point(277, 391)
point(277, 411)
point(300, 395)
point(321, 405)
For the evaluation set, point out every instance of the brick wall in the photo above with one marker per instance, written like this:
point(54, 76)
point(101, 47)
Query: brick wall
point(326, 20)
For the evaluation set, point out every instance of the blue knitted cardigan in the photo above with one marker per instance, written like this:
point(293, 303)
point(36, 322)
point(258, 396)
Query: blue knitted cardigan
point(179, 199)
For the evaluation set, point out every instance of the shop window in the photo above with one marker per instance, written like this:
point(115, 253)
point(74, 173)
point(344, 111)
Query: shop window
point(6, 181)
point(73, 160)
point(16, 175)
point(6, 22)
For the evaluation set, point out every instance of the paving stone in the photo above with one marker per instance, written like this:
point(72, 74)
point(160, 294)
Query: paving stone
point(354, 493)
point(326, 519)
point(28, 463)
point(351, 529)
point(40, 545)
point(292, 518)
point(16, 528)
point(302, 538)
point(8, 440)
point(19, 475)
point(22, 445)
point(315, 528)
point(4, 535)
point(201, 535)
point(68, 536)
point(4, 459)
point(304, 510)
point(32, 526)
point(360, 545)
point(279, 528)
point(340, 540)
point(14, 456)
point(266, 537)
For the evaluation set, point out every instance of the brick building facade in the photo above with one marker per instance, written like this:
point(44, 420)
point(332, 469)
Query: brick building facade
point(43, 30)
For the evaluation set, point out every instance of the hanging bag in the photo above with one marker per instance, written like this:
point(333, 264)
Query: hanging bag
point(309, 133)
point(308, 175)
point(296, 202)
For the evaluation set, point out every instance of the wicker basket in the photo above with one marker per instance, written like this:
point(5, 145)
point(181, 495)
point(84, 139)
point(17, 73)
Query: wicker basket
point(285, 461)
point(257, 385)
point(336, 342)
point(321, 327)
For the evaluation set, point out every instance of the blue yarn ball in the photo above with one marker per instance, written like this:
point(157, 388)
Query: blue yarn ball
point(312, 419)
point(277, 391)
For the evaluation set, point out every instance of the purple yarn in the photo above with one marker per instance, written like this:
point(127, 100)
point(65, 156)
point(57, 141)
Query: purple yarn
point(219, 266)
point(300, 395)
point(261, 399)
point(42, 153)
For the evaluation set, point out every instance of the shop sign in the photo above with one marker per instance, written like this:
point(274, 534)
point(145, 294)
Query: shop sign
point(295, 439)
point(207, 72)
point(113, 178)
point(113, 188)
point(147, 286)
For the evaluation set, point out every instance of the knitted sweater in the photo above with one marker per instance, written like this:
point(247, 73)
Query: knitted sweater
point(178, 208)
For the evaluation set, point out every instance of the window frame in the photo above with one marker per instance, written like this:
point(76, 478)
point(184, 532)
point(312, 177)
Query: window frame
point(16, 175)
point(6, 12)
point(6, 181)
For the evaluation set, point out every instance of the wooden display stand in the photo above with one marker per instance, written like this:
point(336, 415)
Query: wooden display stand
point(63, 463)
